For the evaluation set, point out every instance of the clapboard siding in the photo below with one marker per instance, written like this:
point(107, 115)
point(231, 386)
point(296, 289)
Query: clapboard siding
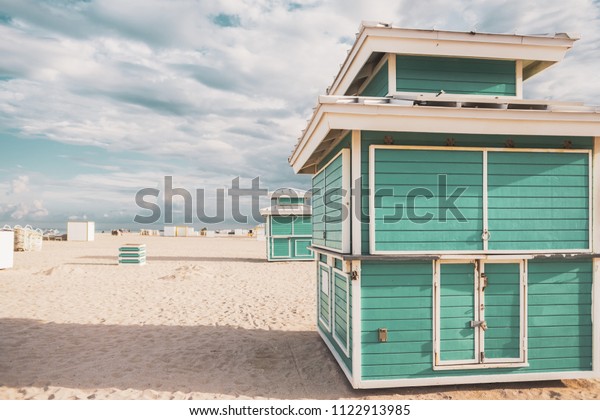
point(501, 340)
point(476, 140)
point(280, 247)
point(302, 225)
point(403, 223)
point(327, 205)
point(455, 75)
point(341, 288)
point(318, 208)
point(560, 340)
point(457, 303)
point(341, 310)
point(290, 200)
point(526, 181)
point(378, 86)
point(281, 225)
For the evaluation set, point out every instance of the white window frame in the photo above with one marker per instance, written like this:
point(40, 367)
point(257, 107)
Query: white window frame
point(479, 336)
point(484, 250)
point(344, 346)
point(289, 253)
point(322, 267)
point(298, 239)
point(346, 182)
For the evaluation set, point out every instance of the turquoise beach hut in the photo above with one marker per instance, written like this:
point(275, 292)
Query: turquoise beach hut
point(456, 224)
point(288, 225)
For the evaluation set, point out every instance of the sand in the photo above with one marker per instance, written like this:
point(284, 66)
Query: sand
point(206, 318)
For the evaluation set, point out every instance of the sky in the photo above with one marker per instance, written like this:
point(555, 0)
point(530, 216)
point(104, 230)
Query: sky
point(101, 98)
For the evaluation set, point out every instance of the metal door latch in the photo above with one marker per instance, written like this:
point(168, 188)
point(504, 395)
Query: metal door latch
point(484, 281)
point(480, 324)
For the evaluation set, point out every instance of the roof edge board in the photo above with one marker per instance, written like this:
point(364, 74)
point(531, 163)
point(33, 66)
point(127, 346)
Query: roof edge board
point(444, 43)
point(557, 120)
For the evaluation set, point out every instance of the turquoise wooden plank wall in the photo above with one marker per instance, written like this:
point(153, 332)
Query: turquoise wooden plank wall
point(457, 303)
point(327, 202)
point(302, 225)
point(281, 248)
point(398, 296)
point(291, 248)
point(463, 140)
point(538, 201)
point(455, 75)
point(378, 86)
point(399, 172)
point(289, 200)
point(341, 286)
point(318, 209)
point(295, 232)
point(281, 225)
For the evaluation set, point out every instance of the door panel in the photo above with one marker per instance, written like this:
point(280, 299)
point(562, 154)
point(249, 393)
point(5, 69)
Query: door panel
point(457, 303)
point(281, 247)
point(480, 317)
point(502, 309)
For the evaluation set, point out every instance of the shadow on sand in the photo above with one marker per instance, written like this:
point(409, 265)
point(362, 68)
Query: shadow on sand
point(206, 359)
point(183, 259)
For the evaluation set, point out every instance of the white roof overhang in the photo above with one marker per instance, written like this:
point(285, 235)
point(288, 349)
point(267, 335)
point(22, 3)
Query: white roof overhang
point(537, 51)
point(287, 210)
point(388, 114)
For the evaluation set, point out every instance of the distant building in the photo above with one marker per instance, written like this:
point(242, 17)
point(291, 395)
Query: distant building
point(288, 225)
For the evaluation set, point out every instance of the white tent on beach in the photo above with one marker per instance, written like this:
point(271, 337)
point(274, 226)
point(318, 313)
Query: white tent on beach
point(81, 231)
point(7, 239)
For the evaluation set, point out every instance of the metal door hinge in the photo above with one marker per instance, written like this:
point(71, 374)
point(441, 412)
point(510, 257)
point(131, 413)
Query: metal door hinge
point(354, 275)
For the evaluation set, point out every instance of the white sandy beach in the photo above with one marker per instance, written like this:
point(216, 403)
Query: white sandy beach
point(206, 318)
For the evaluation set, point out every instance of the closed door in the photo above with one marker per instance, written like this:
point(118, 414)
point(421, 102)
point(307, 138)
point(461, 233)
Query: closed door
point(479, 314)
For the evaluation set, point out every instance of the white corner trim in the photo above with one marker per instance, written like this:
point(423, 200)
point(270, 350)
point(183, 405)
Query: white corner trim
point(356, 324)
point(392, 75)
point(596, 317)
point(519, 81)
point(346, 201)
point(595, 182)
point(356, 179)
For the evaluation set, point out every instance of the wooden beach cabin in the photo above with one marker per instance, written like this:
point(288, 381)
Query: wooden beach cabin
point(468, 248)
point(288, 225)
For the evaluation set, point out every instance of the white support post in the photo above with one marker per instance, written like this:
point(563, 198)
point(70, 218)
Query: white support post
point(391, 74)
point(356, 207)
point(355, 280)
point(595, 221)
point(486, 234)
point(519, 81)
point(595, 245)
point(596, 318)
point(346, 188)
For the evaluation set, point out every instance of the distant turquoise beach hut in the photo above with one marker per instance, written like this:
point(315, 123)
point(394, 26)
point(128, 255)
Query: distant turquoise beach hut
point(456, 224)
point(288, 225)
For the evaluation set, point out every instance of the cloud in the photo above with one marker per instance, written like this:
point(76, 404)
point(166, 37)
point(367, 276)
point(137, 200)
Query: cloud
point(19, 185)
point(212, 90)
point(23, 210)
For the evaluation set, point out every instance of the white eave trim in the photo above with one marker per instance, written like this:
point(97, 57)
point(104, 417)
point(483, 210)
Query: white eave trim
point(547, 49)
point(287, 210)
point(365, 114)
